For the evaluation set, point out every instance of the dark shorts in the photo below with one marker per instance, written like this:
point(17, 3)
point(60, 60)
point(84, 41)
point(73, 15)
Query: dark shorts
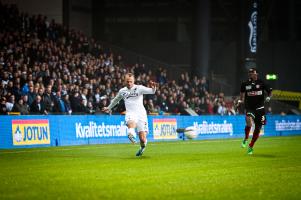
point(257, 115)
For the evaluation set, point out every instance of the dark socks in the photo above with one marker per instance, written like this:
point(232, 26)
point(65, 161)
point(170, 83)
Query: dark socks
point(255, 137)
point(247, 132)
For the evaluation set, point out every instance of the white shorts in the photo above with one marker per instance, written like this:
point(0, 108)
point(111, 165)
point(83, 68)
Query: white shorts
point(141, 122)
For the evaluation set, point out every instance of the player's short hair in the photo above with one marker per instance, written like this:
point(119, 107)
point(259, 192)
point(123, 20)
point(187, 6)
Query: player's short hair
point(253, 70)
point(130, 75)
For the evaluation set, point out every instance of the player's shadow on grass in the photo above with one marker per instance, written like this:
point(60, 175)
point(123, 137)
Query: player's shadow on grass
point(264, 155)
point(136, 157)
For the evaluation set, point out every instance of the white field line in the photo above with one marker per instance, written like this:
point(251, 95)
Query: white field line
point(99, 146)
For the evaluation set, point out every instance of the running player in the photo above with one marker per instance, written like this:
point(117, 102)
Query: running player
point(252, 94)
point(135, 116)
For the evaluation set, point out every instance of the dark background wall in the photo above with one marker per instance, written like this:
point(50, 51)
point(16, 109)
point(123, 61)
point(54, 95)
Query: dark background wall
point(52, 9)
point(164, 30)
point(80, 15)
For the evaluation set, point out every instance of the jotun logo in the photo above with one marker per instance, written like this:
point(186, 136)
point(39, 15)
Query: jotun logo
point(30, 132)
point(165, 128)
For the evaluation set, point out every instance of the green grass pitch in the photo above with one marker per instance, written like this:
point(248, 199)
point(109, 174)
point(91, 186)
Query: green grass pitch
point(197, 169)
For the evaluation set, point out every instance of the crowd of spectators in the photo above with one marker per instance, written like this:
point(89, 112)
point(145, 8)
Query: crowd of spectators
point(47, 69)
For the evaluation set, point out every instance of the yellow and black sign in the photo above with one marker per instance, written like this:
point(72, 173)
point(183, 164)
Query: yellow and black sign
point(30, 132)
point(165, 128)
point(287, 96)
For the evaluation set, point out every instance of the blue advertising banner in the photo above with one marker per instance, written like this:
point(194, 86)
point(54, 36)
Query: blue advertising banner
point(62, 130)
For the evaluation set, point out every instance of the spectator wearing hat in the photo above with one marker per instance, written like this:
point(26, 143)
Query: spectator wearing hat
point(20, 107)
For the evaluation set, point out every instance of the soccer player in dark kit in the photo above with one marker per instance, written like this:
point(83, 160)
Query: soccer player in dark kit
point(252, 93)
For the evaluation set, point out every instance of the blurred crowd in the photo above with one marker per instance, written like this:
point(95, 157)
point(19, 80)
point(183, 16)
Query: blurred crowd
point(47, 69)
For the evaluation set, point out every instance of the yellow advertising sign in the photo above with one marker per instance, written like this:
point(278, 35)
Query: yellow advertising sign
point(165, 129)
point(30, 132)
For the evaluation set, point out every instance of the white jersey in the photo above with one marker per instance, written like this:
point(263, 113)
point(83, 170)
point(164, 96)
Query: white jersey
point(133, 99)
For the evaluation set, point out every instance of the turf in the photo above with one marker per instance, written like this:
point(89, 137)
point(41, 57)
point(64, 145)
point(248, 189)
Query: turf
point(205, 169)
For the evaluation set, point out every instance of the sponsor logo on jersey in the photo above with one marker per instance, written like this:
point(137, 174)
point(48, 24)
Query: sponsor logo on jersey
point(254, 93)
point(248, 87)
point(127, 95)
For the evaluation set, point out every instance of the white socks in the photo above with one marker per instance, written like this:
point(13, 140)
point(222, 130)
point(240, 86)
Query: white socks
point(132, 132)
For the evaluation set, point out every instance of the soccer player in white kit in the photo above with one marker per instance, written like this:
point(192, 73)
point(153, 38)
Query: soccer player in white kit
point(136, 116)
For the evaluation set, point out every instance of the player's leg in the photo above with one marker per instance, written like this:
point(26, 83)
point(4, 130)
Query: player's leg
point(249, 119)
point(142, 127)
point(260, 120)
point(131, 131)
point(143, 142)
point(254, 138)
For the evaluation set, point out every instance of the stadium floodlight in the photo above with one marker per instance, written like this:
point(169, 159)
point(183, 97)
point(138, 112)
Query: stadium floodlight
point(271, 77)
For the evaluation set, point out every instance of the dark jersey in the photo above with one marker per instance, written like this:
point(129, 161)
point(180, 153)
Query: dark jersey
point(254, 93)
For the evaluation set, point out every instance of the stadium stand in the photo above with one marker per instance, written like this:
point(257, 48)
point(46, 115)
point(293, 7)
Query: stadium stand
point(47, 69)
